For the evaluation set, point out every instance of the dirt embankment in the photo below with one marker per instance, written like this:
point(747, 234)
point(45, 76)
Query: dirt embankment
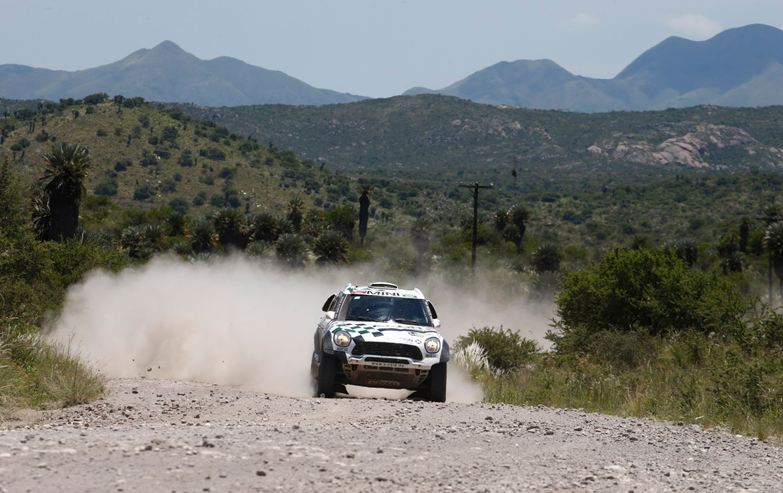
point(163, 435)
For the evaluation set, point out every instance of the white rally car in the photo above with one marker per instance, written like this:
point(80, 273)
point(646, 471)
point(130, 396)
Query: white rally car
point(380, 336)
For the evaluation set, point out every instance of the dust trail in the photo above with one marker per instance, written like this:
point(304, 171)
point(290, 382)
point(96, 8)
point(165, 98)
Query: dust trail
point(234, 321)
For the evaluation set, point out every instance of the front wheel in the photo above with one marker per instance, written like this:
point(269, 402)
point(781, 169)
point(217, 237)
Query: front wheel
point(327, 372)
point(438, 383)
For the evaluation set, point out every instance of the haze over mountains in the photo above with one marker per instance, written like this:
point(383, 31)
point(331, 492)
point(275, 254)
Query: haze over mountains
point(167, 73)
point(738, 67)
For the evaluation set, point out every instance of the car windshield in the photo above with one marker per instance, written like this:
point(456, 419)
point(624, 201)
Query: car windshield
point(382, 309)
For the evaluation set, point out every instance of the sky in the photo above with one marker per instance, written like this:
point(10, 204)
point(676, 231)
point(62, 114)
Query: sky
point(374, 48)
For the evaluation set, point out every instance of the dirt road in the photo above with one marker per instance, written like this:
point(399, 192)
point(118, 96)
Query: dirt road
point(153, 435)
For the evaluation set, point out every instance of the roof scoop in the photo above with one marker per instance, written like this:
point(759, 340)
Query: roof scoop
point(383, 285)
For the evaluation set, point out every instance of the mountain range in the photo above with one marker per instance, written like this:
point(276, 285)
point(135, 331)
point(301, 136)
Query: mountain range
point(738, 67)
point(167, 73)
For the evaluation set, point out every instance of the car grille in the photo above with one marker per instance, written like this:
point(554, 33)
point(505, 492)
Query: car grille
point(371, 359)
point(387, 349)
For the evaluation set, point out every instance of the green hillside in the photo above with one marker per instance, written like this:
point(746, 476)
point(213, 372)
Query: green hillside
point(430, 133)
point(145, 157)
point(148, 156)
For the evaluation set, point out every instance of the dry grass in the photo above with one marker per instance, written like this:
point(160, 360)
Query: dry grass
point(37, 374)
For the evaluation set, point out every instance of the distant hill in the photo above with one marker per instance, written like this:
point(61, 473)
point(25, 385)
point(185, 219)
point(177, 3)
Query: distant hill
point(738, 67)
point(169, 74)
point(432, 133)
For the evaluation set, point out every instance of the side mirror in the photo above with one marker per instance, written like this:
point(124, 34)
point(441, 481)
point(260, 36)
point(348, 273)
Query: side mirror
point(330, 315)
point(436, 323)
point(432, 310)
point(328, 304)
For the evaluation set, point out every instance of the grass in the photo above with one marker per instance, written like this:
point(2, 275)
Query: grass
point(723, 386)
point(39, 374)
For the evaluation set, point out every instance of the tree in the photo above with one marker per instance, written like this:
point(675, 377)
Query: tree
point(684, 249)
point(773, 240)
point(11, 209)
point(264, 227)
point(364, 211)
point(230, 226)
point(65, 172)
point(291, 249)
point(342, 219)
point(518, 216)
point(202, 236)
point(170, 134)
point(295, 207)
point(644, 290)
point(330, 248)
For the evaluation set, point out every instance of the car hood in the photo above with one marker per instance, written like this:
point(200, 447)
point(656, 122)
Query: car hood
point(385, 331)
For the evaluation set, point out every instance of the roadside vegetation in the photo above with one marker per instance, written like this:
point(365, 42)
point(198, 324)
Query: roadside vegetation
point(640, 333)
point(660, 282)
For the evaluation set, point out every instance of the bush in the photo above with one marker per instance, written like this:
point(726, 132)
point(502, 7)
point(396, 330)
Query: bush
point(646, 290)
point(504, 350)
point(215, 154)
point(547, 258)
point(143, 192)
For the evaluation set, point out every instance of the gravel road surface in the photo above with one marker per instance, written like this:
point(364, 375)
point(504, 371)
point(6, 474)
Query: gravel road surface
point(151, 435)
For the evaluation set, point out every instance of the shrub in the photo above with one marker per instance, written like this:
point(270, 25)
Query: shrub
point(547, 258)
point(644, 289)
point(143, 192)
point(504, 350)
point(107, 188)
point(215, 154)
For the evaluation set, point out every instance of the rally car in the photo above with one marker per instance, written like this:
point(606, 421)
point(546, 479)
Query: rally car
point(380, 336)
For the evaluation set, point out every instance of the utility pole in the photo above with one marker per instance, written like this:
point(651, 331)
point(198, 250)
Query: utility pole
point(476, 188)
point(514, 174)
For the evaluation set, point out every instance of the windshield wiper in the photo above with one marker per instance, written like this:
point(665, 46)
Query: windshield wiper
point(406, 321)
point(363, 319)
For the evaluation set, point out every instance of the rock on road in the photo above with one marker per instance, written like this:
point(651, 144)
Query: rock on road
point(152, 435)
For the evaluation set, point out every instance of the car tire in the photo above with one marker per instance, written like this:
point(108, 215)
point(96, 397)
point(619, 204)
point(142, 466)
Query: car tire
point(327, 372)
point(438, 383)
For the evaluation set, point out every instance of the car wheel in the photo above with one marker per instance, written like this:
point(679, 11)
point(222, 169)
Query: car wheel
point(438, 383)
point(326, 376)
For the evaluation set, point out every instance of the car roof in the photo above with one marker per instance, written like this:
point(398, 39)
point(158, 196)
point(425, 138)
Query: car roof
point(383, 289)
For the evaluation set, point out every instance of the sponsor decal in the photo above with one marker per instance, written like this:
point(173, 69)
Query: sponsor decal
point(382, 383)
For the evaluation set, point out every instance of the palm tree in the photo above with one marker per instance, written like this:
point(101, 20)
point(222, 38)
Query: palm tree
point(41, 215)
point(63, 183)
point(518, 216)
point(364, 211)
point(330, 248)
point(295, 207)
point(230, 225)
point(291, 249)
point(264, 227)
point(132, 240)
point(773, 240)
point(202, 236)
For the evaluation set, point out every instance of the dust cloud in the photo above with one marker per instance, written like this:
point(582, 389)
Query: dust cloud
point(242, 322)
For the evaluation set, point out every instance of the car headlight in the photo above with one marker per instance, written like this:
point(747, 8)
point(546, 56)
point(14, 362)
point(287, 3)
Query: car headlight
point(342, 338)
point(432, 345)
